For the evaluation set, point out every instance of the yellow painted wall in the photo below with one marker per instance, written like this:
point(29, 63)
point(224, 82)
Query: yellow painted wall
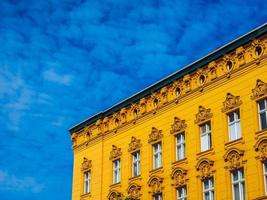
point(97, 145)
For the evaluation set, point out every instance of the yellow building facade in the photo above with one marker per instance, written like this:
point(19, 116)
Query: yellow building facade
point(200, 133)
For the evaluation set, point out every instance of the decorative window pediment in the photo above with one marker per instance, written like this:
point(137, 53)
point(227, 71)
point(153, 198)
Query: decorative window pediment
point(234, 158)
point(86, 164)
point(261, 147)
point(115, 153)
point(231, 102)
point(134, 192)
point(135, 144)
point(179, 176)
point(204, 166)
point(115, 195)
point(155, 135)
point(203, 115)
point(178, 125)
point(260, 90)
point(155, 185)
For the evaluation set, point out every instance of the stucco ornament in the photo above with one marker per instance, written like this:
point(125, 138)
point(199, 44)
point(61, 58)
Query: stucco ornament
point(135, 144)
point(86, 164)
point(234, 158)
point(99, 125)
point(258, 49)
point(115, 195)
point(74, 137)
point(178, 125)
point(134, 192)
point(261, 147)
point(155, 135)
point(143, 103)
point(123, 115)
point(212, 70)
point(187, 83)
point(240, 55)
point(87, 132)
point(260, 90)
point(115, 152)
point(203, 114)
point(204, 166)
point(231, 102)
point(155, 184)
point(179, 176)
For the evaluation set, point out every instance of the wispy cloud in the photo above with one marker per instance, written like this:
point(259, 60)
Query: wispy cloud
point(53, 76)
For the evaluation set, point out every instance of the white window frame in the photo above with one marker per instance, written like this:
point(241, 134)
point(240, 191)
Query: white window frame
point(239, 182)
point(180, 146)
point(265, 176)
point(136, 164)
point(157, 155)
point(262, 111)
point(236, 124)
point(210, 189)
point(183, 194)
point(116, 171)
point(157, 196)
point(87, 182)
point(205, 135)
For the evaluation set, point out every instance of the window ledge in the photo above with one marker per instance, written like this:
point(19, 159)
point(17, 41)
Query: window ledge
point(261, 132)
point(204, 153)
point(234, 142)
point(179, 162)
point(261, 198)
point(158, 170)
point(135, 178)
point(115, 185)
point(85, 196)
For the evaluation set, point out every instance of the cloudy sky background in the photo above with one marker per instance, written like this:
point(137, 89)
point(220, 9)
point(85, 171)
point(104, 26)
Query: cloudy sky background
point(62, 61)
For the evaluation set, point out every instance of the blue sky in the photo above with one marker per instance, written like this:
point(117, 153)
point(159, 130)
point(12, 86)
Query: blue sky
point(62, 61)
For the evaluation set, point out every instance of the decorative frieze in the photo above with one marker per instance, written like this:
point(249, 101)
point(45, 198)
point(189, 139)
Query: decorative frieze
point(179, 176)
point(155, 185)
point(86, 164)
point(234, 158)
point(204, 166)
point(203, 115)
point(155, 135)
point(260, 90)
point(135, 144)
point(115, 153)
point(231, 102)
point(178, 125)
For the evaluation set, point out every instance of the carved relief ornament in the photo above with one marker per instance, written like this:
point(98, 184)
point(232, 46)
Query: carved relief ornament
point(155, 184)
point(212, 70)
point(86, 164)
point(234, 158)
point(178, 125)
point(258, 48)
point(135, 144)
point(260, 90)
point(115, 153)
point(74, 137)
point(204, 166)
point(203, 114)
point(179, 176)
point(155, 135)
point(240, 55)
point(231, 102)
point(115, 195)
point(261, 148)
point(134, 192)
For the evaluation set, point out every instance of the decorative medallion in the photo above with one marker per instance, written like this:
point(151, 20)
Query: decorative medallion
point(115, 195)
point(164, 95)
point(234, 158)
point(179, 176)
point(123, 115)
point(134, 192)
point(86, 164)
point(261, 147)
point(155, 135)
point(135, 144)
point(155, 185)
point(135, 110)
point(203, 114)
point(143, 103)
point(260, 90)
point(212, 70)
point(178, 125)
point(240, 55)
point(155, 100)
point(231, 102)
point(258, 49)
point(204, 166)
point(187, 83)
point(115, 153)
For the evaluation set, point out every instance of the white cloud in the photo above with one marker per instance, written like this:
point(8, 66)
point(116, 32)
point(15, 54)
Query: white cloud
point(51, 75)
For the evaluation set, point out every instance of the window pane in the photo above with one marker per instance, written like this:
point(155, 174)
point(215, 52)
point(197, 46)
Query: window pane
point(207, 196)
point(232, 132)
point(243, 190)
point(235, 175)
point(238, 130)
point(262, 105)
point(236, 192)
point(231, 117)
point(263, 120)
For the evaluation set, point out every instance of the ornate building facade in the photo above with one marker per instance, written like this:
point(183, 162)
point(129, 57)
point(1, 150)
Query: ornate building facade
point(200, 133)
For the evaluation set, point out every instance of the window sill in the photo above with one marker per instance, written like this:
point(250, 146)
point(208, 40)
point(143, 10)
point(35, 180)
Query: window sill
point(204, 153)
point(261, 198)
point(233, 143)
point(85, 196)
point(261, 132)
point(154, 171)
point(179, 162)
point(114, 185)
point(135, 178)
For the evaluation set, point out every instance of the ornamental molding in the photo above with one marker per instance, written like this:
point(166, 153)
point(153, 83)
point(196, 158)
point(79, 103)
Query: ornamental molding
point(115, 153)
point(234, 158)
point(155, 135)
point(261, 148)
point(231, 102)
point(155, 185)
point(204, 166)
point(134, 192)
point(115, 195)
point(203, 115)
point(135, 144)
point(260, 90)
point(212, 66)
point(258, 48)
point(74, 139)
point(86, 164)
point(178, 125)
point(240, 55)
point(179, 176)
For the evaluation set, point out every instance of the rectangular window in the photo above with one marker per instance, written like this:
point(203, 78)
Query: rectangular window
point(180, 146)
point(208, 189)
point(157, 155)
point(265, 176)
point(205, 135)
point(136, 163)
point(87, 181)
point(181, 193)
point(262, 105)
point(116, 171)
point(234, 125)
point(238, 184)
point(157, 197)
